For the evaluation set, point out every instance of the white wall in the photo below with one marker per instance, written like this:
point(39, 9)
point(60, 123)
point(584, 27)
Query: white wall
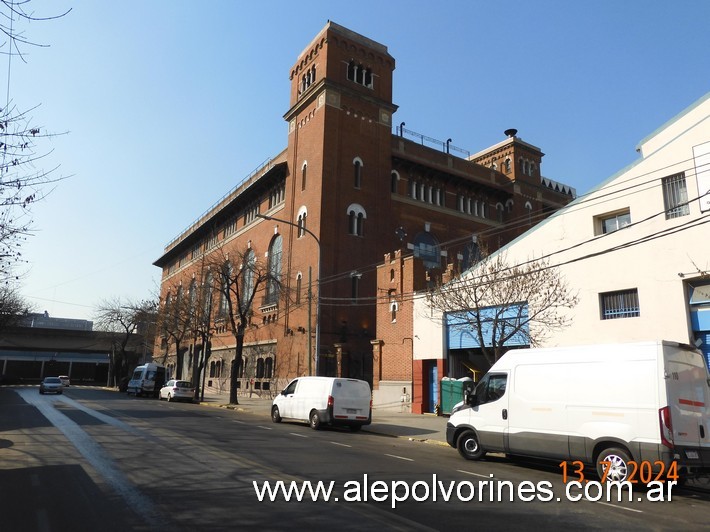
point(653, 267)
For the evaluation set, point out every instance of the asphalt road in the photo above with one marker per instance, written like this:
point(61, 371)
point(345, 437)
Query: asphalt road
point(94, 459)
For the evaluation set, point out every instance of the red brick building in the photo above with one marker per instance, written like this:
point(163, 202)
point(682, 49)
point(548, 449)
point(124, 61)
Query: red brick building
point(361, 187)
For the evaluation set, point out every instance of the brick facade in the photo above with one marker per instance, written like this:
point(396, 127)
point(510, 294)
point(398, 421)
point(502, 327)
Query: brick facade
point(363, 188)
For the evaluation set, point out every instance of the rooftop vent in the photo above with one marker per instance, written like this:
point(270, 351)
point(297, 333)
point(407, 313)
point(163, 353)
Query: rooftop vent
point(510, 132)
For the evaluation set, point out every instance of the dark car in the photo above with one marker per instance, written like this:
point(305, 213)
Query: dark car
point(51, 385)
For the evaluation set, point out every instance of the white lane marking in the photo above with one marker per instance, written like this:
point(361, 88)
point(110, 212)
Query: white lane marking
point(474, 474)
point(619, 507)
point(240, 422)
point(297, 434)
point(96, 456)
point(265, 428)
point(341, 444)
point(399, 457)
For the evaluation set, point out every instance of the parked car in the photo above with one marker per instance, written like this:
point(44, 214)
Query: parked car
point(64, 379)
point(657, 418)
point(51, 385)
point(325, 401)
point(147, 380)
point(176, 390)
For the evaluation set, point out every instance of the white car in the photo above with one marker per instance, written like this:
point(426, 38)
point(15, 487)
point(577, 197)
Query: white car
point(51, 385)
point(176, 390)
point(64, 379)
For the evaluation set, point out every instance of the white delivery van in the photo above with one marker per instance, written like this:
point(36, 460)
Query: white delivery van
point(147, 379)
point(619, 403)
point(325, 400)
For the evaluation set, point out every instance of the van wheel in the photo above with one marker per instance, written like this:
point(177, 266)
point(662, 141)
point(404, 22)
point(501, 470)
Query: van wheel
point(469, 447)
point(275, 414)
point(170, 398)
point(619, 468)
point(314, 420)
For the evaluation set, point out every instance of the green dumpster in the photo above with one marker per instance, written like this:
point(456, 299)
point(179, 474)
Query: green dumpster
point(452, 392)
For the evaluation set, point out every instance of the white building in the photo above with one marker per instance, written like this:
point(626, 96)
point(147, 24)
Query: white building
point(637, 248)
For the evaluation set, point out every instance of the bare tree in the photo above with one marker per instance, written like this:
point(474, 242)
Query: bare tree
point(21, 183)
point(240, 277)
point(499, 303)
point(176, 319)
point(126, 319)
point(12, 306)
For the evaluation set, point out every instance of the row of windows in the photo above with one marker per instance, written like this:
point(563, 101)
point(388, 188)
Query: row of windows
point(360, 74)
point(307, 79)
point(675, 204)
point(276, 196)
point(264, 368)
point(203, 296)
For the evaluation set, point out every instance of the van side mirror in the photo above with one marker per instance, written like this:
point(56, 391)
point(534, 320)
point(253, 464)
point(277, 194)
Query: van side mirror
point(471, 399)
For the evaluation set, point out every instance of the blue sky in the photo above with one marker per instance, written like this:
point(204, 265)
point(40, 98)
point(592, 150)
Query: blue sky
point(169, 103)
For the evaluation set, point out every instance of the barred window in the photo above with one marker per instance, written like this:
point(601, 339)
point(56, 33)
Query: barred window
point(675, 196)
point(620, 304)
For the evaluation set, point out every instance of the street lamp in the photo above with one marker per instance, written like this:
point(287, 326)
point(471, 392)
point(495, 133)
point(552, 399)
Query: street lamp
point(310, 293)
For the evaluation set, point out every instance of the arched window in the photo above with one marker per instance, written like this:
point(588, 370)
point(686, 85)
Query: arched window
point(509, 206)
point(301, 221)
point(393, 311)
point(499, 211)
point(218, 369)
point(225, 288)
point(192, 295)
point(304, 171)
point(507, 165)
point(392, 275)
point(268, 368)
point(247, 279)
point(299, 279)
point(260, 368)
point(356, 219)
point(357, 168)
point(528, 211)
point(355, 285)
point(213, 366)
point(394, 181)
point(274, 268)
point(207, 297)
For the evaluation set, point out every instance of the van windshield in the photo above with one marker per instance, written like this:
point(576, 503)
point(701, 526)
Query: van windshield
point(137, 375)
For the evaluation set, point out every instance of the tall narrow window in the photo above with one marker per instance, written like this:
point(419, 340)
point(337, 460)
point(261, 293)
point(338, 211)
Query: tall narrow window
point(355, 285)
point(299, 279)
point(207, 298)
point(394, 179)
point(675, 196)
point(225, 288)
point(301, 221)
point(357, 168)
point(356, 219)
point(268, 368)
point(304, 169)
point(247, 279)
point(273, 282)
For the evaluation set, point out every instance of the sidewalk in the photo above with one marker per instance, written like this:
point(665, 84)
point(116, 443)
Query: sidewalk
point(417, 427)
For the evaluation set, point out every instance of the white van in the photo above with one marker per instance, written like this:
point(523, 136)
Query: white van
point(325, 400)
point(147, 379)
point(619, 403)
